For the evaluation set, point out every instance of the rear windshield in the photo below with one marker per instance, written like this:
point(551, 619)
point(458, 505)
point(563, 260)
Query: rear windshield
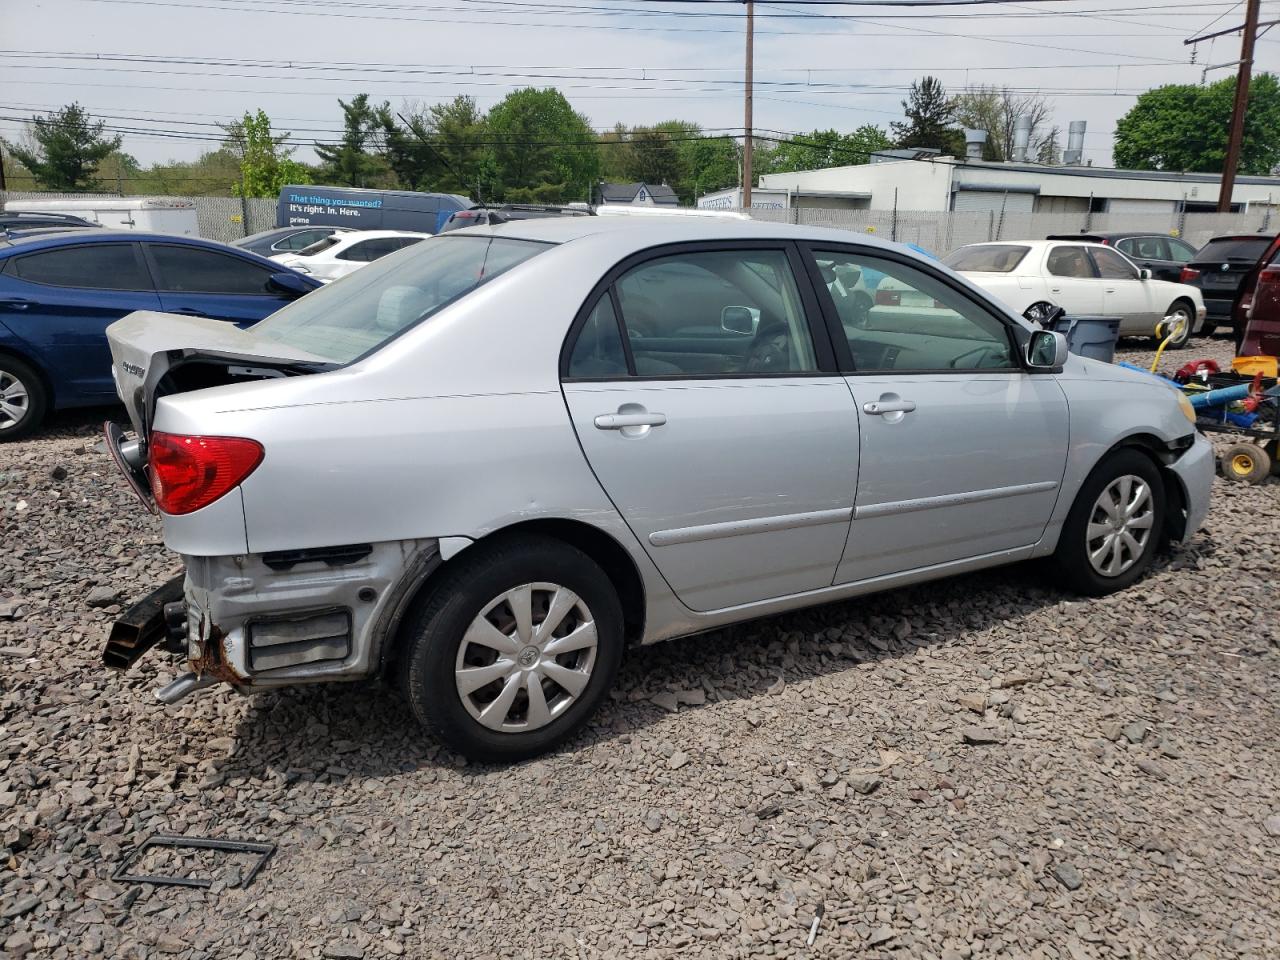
point(987, 258)
point(319, 246)
point(364, 310)
point(1234, 248)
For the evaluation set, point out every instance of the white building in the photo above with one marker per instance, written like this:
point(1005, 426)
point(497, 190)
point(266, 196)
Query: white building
point(934, 183)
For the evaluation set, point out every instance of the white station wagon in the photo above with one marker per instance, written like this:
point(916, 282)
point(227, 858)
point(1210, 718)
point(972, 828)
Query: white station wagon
point(484, 466)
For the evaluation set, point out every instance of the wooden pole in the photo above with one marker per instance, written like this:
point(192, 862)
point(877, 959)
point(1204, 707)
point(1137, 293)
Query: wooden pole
point(1236, 138)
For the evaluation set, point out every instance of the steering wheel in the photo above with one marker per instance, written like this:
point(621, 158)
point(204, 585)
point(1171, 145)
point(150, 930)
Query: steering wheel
point(770, 351)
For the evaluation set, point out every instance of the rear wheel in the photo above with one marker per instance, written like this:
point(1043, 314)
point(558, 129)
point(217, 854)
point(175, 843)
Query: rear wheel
point(1113, 529)
point(514, 649)
point(23, 399)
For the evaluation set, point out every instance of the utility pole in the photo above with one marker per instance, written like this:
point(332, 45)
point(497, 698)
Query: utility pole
point(1235, 138)
point(746, 142)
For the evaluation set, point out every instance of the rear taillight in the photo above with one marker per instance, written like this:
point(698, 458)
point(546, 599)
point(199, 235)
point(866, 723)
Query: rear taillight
point(1270, 275)
point(1188, 274)
point(188, 473)
point(888, 298)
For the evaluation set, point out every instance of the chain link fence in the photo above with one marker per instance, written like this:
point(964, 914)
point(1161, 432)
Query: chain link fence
point(939, 232)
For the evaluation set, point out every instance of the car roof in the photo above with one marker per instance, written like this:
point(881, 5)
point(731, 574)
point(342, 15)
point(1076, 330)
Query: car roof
point(99, 235)
point(376, 234)
point(646, 232)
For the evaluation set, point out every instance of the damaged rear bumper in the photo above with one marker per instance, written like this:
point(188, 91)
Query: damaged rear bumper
point(272, 620)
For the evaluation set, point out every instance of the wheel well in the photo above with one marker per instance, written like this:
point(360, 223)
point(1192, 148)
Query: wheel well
point(40, 372)
point(610, 555)
point(1175, 518)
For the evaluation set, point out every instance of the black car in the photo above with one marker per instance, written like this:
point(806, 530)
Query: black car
point(481, 215)
point(42, 221)
point(285, 239)
point(1163, 255)
point(1218, 268)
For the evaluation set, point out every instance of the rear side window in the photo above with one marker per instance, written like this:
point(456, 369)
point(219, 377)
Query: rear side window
point(598, 354)
point(192, 270)
point(987, 258)
point(319, 246)
point(1234, 248)
point(300, 241)
point(1069, 262)
point(375, 304)
point(100, 266)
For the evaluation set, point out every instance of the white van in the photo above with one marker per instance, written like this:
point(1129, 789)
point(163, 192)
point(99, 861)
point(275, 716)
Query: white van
point(155, 214)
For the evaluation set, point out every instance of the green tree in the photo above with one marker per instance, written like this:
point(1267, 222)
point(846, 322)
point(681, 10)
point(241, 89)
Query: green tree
point(931, 120)
point(996, 110)
point(1184, 127)
point(653, 157)
point(825, 148)
point(540, 149)
point(440, 148)
point(68, 147)
point(265, 163)
point(351, 162)
point(707, 164)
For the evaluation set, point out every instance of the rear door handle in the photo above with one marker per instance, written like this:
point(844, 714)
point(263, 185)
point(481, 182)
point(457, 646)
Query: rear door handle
point(15, 303)
point(880, 407)
point(619, 421)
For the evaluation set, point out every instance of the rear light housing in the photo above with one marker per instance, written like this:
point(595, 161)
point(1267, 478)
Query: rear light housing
point(888, 298)
point(1188, 274)
point(188, 472)
point(1269, 275)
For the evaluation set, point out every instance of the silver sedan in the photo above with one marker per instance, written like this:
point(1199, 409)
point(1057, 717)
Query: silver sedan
point(485, 466)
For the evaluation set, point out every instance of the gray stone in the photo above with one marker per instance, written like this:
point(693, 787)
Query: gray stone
point(979, 736)
point(1067, 875)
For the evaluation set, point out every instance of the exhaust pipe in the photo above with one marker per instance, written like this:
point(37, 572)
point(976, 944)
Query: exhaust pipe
point(186, 684)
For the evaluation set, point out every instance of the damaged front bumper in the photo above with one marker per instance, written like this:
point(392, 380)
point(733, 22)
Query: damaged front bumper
point(277, 619)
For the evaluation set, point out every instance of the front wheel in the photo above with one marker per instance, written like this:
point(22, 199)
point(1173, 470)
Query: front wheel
point(514, 649)
point(1113, 530)
point(1179, 320)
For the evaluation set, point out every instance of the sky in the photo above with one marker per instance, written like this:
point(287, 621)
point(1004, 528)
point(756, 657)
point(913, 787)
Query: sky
point(165, 72)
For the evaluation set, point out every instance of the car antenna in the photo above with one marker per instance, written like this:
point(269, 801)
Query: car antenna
point(440, 156)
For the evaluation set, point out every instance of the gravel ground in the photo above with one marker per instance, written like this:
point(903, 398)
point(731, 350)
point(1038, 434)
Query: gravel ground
point(984, 767)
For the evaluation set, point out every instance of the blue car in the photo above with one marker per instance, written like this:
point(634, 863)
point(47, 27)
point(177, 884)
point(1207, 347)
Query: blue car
point(59, 291)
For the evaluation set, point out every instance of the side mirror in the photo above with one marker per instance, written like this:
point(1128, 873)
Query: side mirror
point(1144, 274)
point(740, 320)
point(290, 284)
point(1046, 350)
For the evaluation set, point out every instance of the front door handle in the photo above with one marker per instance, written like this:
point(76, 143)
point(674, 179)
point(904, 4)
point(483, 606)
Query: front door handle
point(15, 303)
point(620, 421)
point(878, 408)
point(188, 312)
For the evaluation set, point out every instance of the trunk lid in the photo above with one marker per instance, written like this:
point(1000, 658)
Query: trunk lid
point(148, 348)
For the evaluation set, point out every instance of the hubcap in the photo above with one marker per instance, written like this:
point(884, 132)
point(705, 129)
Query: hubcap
point(526, 658)
point(1120, 525)
point(14, 400)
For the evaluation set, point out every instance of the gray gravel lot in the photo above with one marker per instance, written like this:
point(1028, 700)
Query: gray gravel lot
point(984, 767)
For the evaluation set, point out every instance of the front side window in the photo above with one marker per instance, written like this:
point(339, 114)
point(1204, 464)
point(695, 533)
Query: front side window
point(722, 313)
point(1112, 266)
point(1144, 248)
point(1069, 262)
point(192, 270)
point(377, 303)
point(100, 266)
point(912, 321)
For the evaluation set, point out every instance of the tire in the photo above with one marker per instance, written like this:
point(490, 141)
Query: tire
point(1183, 309)
point(474, 605)
point(1073, 555)
point(23, 399)
point(1245, 463)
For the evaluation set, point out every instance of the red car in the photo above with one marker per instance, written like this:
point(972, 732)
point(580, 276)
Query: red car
point(1256, 312)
